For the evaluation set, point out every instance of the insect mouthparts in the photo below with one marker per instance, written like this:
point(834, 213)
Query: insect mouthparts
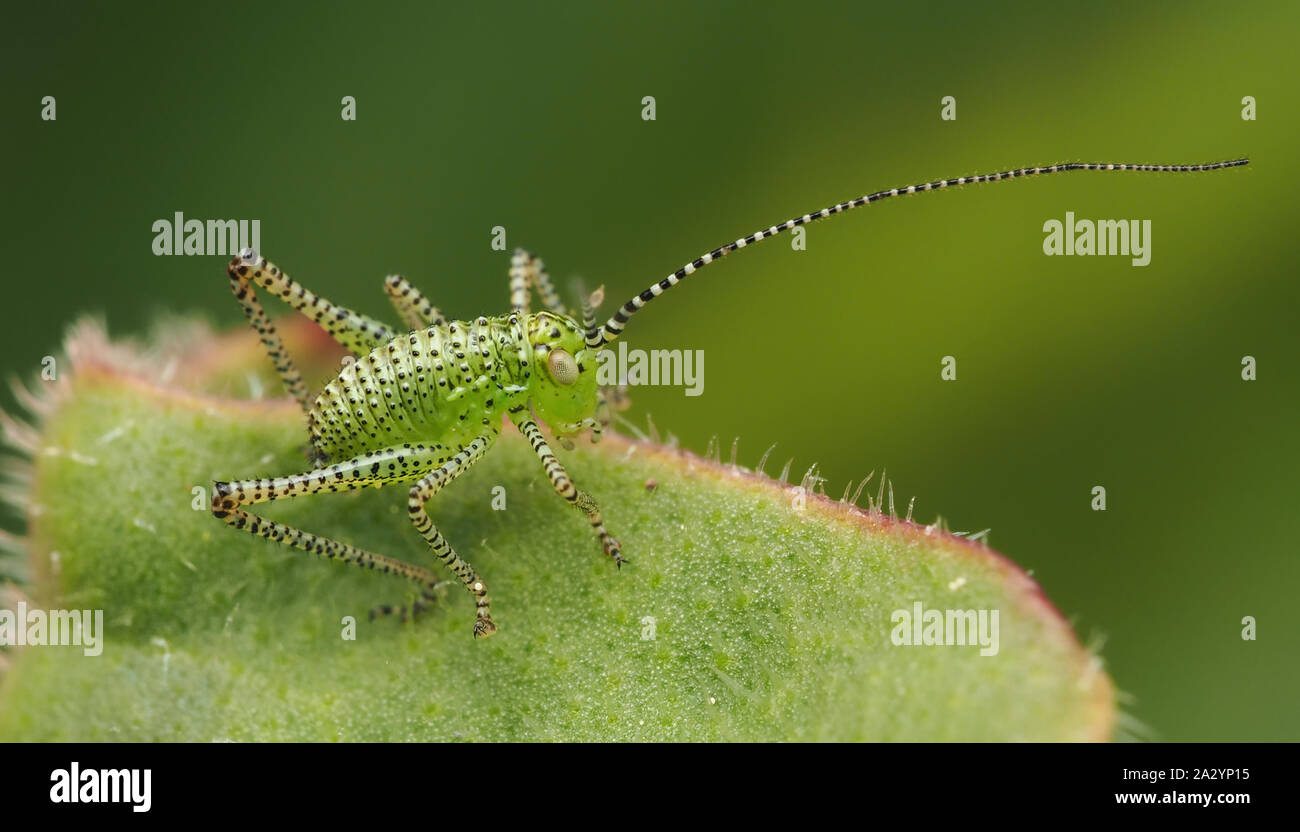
point(248, 255)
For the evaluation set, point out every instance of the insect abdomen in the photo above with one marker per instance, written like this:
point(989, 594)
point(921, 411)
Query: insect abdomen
point(442, 384)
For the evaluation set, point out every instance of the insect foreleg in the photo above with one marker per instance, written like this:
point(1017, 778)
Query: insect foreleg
point(411, 305)
point(421, 493)
point(565, 487)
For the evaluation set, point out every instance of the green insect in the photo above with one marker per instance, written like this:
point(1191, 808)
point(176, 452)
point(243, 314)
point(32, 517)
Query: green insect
point(420, 407)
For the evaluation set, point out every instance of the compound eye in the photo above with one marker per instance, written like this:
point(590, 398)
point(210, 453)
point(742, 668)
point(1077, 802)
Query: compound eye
point(564, 369)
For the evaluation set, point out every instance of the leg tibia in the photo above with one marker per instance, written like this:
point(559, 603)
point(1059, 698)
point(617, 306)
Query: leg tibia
point(564, 486)
point(415, 309)
point(528, 271)
point(519, 282)
point(389, 466)
point(261, 324)
point(421, 493)
point(541, 281)
point(357, 332)
point(322, 546)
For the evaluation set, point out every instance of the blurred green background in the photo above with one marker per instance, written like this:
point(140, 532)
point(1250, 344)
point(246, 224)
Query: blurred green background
point(1072, 372)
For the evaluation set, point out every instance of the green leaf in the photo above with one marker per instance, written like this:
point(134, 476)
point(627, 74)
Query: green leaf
point(739, 617)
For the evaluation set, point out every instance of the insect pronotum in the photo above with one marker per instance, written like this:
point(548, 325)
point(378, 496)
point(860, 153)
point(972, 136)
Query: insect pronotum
point(421, 406)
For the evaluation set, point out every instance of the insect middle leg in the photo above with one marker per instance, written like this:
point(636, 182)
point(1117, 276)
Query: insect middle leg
point(527, 270)
point(389, 466)
point(356, 332)
point(564, 486)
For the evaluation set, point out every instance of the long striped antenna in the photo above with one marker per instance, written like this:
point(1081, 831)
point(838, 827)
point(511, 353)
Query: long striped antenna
point(613, 328)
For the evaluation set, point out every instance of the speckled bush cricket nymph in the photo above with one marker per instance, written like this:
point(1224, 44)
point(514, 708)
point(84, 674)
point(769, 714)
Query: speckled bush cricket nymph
point(421, 407)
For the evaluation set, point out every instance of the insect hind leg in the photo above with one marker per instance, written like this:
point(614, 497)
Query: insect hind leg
point(389, 466)
point(414, 308)
point(357, 333)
